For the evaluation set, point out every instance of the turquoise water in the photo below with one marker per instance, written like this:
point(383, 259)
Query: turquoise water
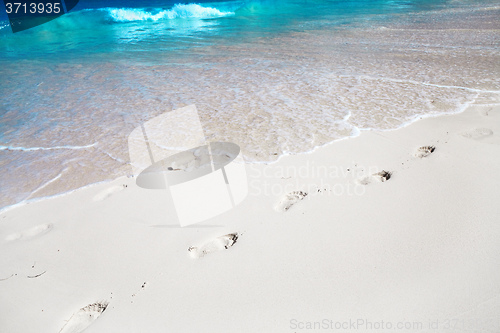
point(275, 77)
point(123, 29)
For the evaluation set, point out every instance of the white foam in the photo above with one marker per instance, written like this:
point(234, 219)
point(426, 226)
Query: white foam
point(46, 148)
point(178, 11)
point(46, 184)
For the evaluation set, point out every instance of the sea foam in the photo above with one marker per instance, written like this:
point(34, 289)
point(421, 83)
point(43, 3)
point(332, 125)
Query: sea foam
point(46, 148)
point(178, 11)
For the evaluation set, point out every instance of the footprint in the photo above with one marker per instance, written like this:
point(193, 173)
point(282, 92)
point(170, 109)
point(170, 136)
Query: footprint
point(485, 111)
point(30, 233)
point(424, 151)
point(381, 176)
point(82, 319)
point(289, 200)
point(108, 192)
point(477, 133)
point(216, 244)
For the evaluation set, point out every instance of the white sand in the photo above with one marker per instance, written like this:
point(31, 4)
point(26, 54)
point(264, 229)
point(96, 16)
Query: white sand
point(422, 246)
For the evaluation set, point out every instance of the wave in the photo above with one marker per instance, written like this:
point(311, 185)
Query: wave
point(91, 18)
point(178, 11)
point(46, 148)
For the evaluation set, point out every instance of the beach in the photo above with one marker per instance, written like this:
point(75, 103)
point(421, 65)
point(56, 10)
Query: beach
point(417, 250)
point(261, 166)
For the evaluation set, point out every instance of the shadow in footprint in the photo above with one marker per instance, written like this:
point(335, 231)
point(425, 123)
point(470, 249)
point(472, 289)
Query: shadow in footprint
point(289, 200)
point(380, 177)
point(84, 317)
point(216, 244)
point(424, 151)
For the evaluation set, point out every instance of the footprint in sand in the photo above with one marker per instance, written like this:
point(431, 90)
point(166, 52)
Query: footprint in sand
point(216, 244)
point(424, 151)
point(289, 200)
point(82, 319)
point(30, 233)
point(485, 111)
point(477, 133)
point(109, 192)
point(381, 176)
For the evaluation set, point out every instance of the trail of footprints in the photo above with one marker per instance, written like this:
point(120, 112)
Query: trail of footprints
point(383, 176)
point(85, 316)
point(292, 198)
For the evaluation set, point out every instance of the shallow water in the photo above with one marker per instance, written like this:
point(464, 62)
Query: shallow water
point(275, 77)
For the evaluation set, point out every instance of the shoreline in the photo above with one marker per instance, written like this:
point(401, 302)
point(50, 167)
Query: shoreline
point(359, 132)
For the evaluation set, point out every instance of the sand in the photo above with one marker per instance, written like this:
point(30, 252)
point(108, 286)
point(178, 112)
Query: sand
point(369, 233)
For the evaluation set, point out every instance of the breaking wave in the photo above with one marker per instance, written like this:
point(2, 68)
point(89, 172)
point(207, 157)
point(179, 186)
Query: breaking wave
point(178, 11)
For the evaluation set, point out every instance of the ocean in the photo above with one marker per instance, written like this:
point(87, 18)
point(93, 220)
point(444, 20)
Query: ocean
point(276, 77)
